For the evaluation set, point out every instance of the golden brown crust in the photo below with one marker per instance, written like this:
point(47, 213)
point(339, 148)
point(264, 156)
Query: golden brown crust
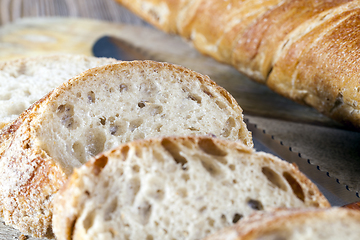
point(305, 50)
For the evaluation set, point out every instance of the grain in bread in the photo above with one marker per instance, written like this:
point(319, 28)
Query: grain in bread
point(95, 111)
point(305, 50)
point(176, 188)
point(295, 224)
point(24, 81)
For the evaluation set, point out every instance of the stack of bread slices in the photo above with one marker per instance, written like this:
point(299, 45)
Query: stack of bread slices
point(132, 150)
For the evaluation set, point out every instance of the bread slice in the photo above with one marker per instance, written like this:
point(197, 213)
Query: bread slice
point(296, 224)
point(96, 111)
point(25, 81)
point(176, 188)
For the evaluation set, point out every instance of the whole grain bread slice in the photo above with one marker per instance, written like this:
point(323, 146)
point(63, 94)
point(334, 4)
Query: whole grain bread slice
point(295, 224)
point(98, 110)
point(176, 188)
point(26, 80)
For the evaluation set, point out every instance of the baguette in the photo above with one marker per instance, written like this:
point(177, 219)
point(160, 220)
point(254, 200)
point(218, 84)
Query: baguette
point(95, 111)
point(295, 224)
point(176, 188)
point(305, 50)
point(24, 81)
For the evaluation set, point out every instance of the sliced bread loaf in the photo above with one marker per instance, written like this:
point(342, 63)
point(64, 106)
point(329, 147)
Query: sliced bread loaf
point(24, 81)
point(296, 224)
point(96, 111)
point(176, 188)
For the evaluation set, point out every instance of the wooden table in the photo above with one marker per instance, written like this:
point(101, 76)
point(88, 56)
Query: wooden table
point(109, 10)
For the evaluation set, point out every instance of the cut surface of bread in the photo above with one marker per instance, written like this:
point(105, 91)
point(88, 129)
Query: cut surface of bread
point(176, 188)
point(25, 81)
point(305, 50)
point(96, 111)
point(295, 224)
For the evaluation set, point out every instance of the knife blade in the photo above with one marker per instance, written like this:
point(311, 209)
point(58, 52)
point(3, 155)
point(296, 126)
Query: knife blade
point(337, 194)
point(117, 48)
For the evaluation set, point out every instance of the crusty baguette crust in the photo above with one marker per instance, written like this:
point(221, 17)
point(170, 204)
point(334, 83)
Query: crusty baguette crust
point(70, 200)
point(279, 221)
point(305, 50)
point(30, 177)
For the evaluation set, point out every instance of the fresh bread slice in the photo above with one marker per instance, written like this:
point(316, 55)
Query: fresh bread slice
point(25, 81)
point(296, 224)
point(98, 110)
point(176, 188)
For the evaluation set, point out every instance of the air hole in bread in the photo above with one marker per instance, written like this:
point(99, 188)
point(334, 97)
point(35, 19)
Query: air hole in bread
point(221, 105)
point(223, 219)
point(91, 97)
point(274, 178)
point(207, 92)
point(111, 207)
point(99, 164)
point(155, 109)
point(95, 141)
point(230, 123)
point(133, 188)
point(149, 237)
point(255, 204)
point(211, 167)
point(136, 168)
point(209, 147)
point(237, 217)
point(66, 114)
point(195, 98)
point(232, 167)
point(123, 87)
point(185, 176)
point(182, 192)
point(202, 209)
point(124, 152)
point(145, 212)
point(174, 151)
point(78, 151)
point(141, 104)
point(295, 186)
point(89, 220)
point(117, 128)
point(211, 221)
point(102, 120)
point(135, 124)
point(78, 94)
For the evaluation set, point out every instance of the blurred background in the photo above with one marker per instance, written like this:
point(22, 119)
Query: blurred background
point(108, 10)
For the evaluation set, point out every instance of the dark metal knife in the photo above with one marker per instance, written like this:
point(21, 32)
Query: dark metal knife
point(337, 194)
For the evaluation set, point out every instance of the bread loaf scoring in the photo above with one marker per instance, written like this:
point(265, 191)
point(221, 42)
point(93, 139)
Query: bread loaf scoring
point(295, 224)
point(96, 111)
point(24, 81)
point(176, 188)
point(305, 50)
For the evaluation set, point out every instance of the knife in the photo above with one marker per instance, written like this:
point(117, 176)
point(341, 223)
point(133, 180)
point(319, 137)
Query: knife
point(337, 193)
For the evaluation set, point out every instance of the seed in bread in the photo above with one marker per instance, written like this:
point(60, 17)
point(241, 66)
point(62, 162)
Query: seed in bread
point(176, 188)
point(96, 111)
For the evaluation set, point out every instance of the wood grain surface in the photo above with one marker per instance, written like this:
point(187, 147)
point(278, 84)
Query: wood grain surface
point(108, 10)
